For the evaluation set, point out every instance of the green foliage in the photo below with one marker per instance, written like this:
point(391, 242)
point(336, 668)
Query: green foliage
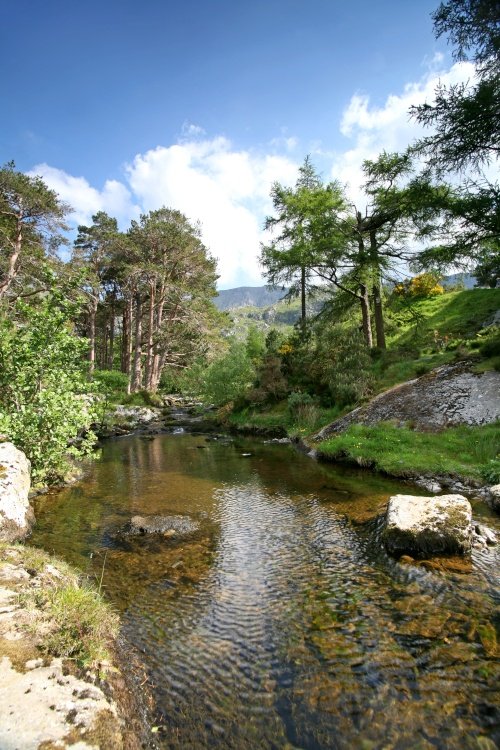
point(112, 381)
point(271, 383)
point(491, 471)
point(228, 377)
point(43, 405)
point(345, 364)
point(255, 343)
point(487, 272)
point(491, 347)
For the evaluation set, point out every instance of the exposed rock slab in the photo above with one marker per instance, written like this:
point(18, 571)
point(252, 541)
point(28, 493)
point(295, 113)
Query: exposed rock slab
point(447, 396)
point(166, 525)
point(54, 705)
point(16, 514)
point(422, 526)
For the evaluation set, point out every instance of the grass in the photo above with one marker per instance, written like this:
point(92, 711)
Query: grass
point(277, 417)
point(461, 451)
point(68, 617)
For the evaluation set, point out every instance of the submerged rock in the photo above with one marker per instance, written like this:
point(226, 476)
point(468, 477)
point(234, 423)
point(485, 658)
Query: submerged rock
point(166, 525)
point(422, 526)
point(16, 514)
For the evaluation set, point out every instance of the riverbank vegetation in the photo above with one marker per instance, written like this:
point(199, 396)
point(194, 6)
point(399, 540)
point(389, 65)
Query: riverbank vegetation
point(130, 314)
point(65, 616)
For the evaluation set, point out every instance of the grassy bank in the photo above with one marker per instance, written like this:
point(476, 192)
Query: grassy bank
point(468, 452)
point(65, 616)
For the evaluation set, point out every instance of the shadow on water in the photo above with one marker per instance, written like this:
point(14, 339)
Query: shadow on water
point(281, 622)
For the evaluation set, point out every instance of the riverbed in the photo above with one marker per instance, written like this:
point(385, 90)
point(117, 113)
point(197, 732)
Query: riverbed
point(282, 622)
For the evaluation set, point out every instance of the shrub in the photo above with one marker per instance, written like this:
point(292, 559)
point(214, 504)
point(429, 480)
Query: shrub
point(490, 348)
point(229, 376)
point(491, 472)
point(42, 388)
point(112, 380)
point(345, 363)
point(297, 402)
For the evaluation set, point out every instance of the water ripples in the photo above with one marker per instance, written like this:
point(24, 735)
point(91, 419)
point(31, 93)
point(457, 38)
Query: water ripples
point(283, 623)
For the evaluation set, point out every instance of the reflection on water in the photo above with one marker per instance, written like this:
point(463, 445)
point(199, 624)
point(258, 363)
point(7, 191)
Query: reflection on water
point(282, 623)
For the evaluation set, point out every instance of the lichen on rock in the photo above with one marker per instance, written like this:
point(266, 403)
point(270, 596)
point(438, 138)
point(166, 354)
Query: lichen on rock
point(422, 526)
point(16, 514)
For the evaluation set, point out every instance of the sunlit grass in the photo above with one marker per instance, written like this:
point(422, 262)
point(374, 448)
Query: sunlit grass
point(463, 451)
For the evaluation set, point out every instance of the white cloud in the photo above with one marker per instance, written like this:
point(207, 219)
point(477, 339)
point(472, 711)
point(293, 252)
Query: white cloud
point(86, 200)
point(225, 189)
point(372, 129)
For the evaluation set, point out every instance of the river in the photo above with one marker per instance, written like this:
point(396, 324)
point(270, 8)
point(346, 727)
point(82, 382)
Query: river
point(282, 622)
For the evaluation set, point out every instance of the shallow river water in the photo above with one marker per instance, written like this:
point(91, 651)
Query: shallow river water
point(282, 622)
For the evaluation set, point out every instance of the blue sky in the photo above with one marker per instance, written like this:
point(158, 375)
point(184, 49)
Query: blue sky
point(200, 105)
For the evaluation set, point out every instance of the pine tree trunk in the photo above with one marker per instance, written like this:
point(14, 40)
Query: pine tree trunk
point(379, 315)
point(303, 293)
point(365, 312)
point(157, 368)
point(377, 291)
point(111, 352)
point(136, 374)
point(12, 268)
point(92, 319)
point(149, 353)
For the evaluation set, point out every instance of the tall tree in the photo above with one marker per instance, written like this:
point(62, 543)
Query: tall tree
point(31, 221)
point(174, 281)
point(305, 217)
point(93, 253)
point(466, 118)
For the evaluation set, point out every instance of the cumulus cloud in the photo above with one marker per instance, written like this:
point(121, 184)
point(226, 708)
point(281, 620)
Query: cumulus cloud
point(226, 190)
point(85, 200)
point(372, 129)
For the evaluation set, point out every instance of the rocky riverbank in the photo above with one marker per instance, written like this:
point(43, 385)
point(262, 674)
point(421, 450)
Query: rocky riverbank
point(63, 679)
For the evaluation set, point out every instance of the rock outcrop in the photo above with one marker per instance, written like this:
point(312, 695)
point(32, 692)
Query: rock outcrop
point(423, 526)
point(447, 396)
point(494, 497)
point(166, 525)
point(16, 514)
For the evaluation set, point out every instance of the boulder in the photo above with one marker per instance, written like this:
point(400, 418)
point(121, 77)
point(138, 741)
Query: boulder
point(423, 526)
point(450, 395)
point(16, 514)
point(165, 525)
point(494, 493)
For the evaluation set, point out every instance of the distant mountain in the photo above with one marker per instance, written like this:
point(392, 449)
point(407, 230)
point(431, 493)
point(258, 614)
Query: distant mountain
point(262, 296)
point(248, 296)
point(459, 278)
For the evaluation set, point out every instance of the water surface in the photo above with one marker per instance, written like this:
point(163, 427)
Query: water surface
point(282, 623)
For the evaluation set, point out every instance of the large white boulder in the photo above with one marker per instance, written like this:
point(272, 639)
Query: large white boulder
point(16, 514)
point(422, 526)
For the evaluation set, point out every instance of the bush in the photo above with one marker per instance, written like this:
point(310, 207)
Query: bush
point(42, 388)
point(297, 400)
point(111, 380)
point(346, 364)
point(490, 348)
point(228, 377)
point(491, 472)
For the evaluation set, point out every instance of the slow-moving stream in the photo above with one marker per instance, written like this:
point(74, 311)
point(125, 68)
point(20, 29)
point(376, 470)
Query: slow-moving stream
point(282, 622)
